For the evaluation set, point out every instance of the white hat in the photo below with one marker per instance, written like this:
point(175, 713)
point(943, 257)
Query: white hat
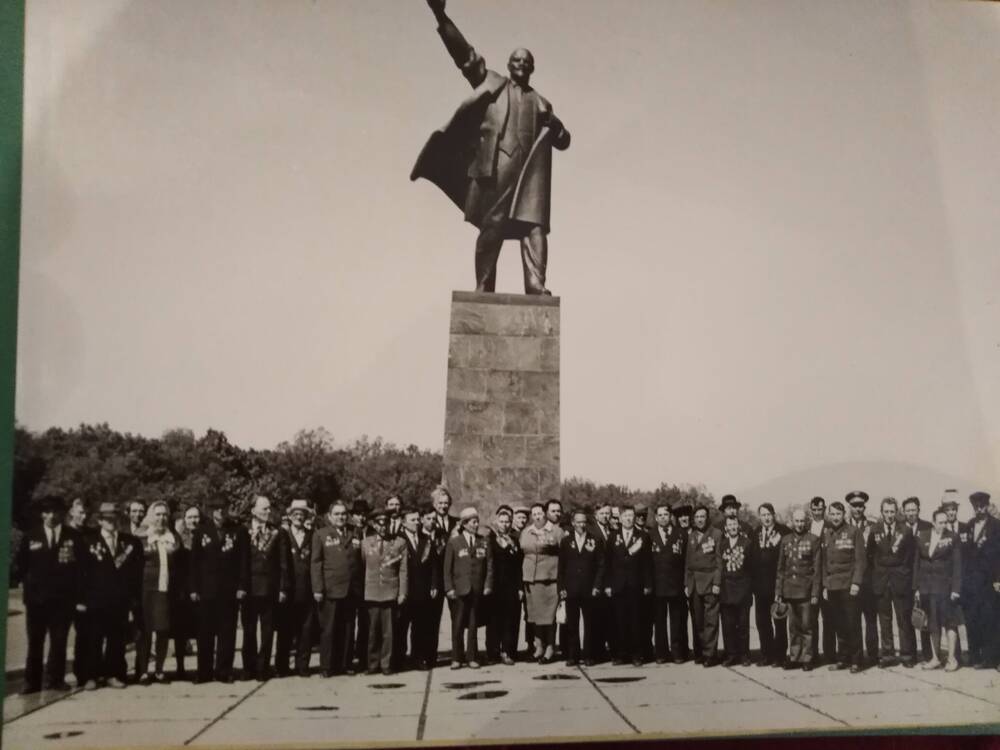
point(302, 505)
point(468, 513)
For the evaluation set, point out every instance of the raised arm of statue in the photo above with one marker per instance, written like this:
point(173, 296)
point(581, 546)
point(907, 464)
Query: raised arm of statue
point(470, 62)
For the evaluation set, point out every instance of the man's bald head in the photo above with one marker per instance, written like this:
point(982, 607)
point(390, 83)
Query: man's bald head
point(799, 519)
point(521, 65)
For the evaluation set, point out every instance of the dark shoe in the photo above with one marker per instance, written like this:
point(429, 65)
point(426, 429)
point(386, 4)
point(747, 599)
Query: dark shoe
point(661, 660)
point(729, 661)
point(790, 665)
point(227, 680)
point(908, 663)
point(387, 671)
point(886, 663)
point(764, 662)
point(807, 667)
point(30, 689)
point(571, 662)
point(637, 662)
point(371, 671)
point(746, 662)
point(145, 679)
point(161, 678)
point(699, 659)
point(588, 662)
point(475, 664)
point(839, 666)
point(61, 687)
point(618, 663)
point(855, 668)
point(982, 665)
point(709, 663)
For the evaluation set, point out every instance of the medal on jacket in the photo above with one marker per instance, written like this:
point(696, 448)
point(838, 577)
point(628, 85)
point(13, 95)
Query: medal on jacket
point(120, 560)
point(635, 546)
point(66, 552)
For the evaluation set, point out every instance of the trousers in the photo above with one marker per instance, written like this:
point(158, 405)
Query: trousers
point(257, 658)
point(736, 629)
point(800, 627)
point(504, 625)
point(902, 603)
point(773, 633)
point(381, 621)
point(52, 619)
point(846, 611)
point(463, 623)
point(705, 618)
point(336, 635)
point(296, 624)
point(672, 610)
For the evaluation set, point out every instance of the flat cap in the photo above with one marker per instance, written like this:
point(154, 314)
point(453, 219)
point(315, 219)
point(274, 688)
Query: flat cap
point(979, 498)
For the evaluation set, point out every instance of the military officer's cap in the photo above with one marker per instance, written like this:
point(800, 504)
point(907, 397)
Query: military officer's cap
point(857, 497)
point(504, 510)
point(51, 503)
point(978, 499)
point(837, 505)
point(729, 501)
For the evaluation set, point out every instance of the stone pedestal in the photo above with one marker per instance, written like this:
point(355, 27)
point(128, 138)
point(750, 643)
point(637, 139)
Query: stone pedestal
point(501, 434)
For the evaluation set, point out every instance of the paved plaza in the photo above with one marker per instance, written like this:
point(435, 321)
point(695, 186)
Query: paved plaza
point(524, 701)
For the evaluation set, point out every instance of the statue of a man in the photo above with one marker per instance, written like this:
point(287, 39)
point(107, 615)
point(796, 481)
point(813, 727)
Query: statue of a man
point(494, 158)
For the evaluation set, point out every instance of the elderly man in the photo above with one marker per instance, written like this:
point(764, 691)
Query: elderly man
point(890, 551)
point(219, 578)
point(797, 584)
point(494, 158)
point(867, 601)
point(580, 580)
point(765, 553)
point(385, 560)
point(949, 503)
point(297, 615)
point(730, 508)
point(423, 586)
point(337, 574)
point(50, 560)
point(628, 577)
point(269, 586)
point(980, 555)
point(468, 576)
point(668, 551)
point(816, 524)
point(112, 582)
point(703, 584)
point(603, 616)
point(844, 562)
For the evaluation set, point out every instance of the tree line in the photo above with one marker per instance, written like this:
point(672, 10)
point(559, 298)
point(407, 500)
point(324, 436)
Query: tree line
point(99, 464)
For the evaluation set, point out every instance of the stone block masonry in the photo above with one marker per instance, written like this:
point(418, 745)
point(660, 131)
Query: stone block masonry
point(501, 435)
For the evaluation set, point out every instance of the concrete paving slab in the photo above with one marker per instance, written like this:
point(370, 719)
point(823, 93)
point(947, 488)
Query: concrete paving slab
point(797, 683)
point(269, 731)
point(339, 697)
point(685, 693)
point(522, 725)
point(739, 716)
point(905, 707)
point(984, 684)
point(25, 736)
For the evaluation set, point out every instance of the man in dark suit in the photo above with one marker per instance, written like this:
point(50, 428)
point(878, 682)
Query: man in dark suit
point(270, 584)
point(297, 615)
point(628, 577)
point(668, 552)
point(441, 499)
point(580, 579)
point(766, 549)
point(916, 524)
point(219, 579)
point(509, 131)
point(361, 529)
point(423, 587)
point(468, 576)
point(603, 614)
point(76, 519)
point(503, 625)
point(337, 573)
point(980, 601)
point(703, 584)
point(113, 579)
point(439, 540)
point(844, 561)
point(50, 561)
point(890, 551)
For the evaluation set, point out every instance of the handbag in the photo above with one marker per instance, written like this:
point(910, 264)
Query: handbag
point(561, 613)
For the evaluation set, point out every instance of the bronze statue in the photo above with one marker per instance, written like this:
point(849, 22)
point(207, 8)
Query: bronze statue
point(494, 158)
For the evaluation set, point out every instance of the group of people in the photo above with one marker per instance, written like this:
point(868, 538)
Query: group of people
point(367, 587)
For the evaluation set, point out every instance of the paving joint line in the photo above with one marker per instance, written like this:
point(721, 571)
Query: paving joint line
point(614, 708)
point(789, 698)
point(224, 714)
point(422, 720)
point(946, 687)
point(63, 697)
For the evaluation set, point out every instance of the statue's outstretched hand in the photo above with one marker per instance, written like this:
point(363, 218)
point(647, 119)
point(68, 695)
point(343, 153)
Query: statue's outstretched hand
point(436, 5)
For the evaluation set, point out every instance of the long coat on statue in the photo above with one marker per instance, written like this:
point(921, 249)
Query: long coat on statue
point(461, 157)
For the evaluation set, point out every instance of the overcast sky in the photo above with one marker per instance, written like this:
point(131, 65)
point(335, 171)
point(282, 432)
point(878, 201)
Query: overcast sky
point(775, 234)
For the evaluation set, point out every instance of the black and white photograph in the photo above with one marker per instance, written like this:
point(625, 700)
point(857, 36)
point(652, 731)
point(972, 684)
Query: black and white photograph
point(426, 371)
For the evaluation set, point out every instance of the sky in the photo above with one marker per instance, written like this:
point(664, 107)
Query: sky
point(774, 236)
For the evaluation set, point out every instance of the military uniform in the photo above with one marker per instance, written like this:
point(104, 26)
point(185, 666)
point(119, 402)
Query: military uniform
point(269, 577)
point(468, 575)
point(297, 615)
point(337, 573)
point(220, 567)
point(844, 563)
point(668, 553)
point(51, 565)
point(385, 562)
point(580, 579)
point(628, 572)
point(890, 550)
point(703, 565)
point(798, 579)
